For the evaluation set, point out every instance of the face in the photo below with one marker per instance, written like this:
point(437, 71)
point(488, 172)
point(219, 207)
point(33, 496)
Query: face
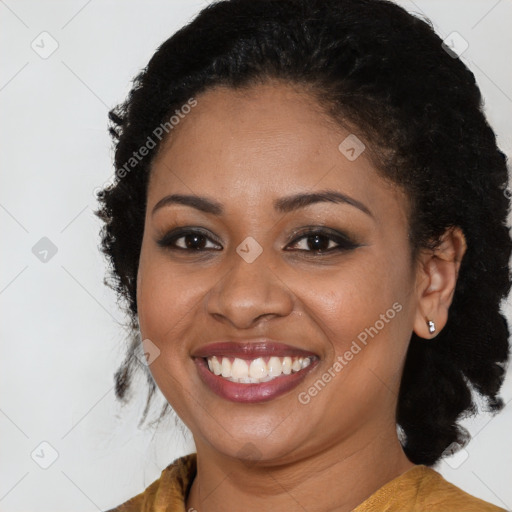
point(324, 285)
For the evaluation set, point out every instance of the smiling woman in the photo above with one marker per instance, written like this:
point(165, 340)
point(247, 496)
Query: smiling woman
point(314, 256)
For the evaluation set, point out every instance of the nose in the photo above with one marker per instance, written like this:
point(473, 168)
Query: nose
point(248, 292)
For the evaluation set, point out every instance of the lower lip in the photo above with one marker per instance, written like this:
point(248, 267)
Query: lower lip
point(250, 393)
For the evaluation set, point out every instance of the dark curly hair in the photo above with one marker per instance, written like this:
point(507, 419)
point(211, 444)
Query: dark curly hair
point(373, 66)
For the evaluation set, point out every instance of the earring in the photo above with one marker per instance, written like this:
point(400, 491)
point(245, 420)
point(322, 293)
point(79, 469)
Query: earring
point(431, 326)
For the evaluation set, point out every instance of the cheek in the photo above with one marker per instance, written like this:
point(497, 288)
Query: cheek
point(355, 296)
point(166, 302)
point(363, 310)
point(165, 299)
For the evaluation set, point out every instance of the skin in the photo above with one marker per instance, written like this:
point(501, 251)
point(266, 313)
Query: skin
point(244, 150)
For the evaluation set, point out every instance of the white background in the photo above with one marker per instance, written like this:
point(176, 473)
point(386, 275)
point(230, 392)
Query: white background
point(61, 330)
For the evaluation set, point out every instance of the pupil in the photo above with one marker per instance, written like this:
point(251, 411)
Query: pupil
point(194, 244)
point(318, 245)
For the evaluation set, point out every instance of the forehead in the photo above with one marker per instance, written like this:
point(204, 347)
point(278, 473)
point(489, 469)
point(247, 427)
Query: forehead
point(255, 122)
point(257, 144)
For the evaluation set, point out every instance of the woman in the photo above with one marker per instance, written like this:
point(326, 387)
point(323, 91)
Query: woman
point(308, 228)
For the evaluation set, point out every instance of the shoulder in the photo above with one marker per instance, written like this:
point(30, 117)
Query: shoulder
point(439, 494)
point(422, 489)
point(171, 487)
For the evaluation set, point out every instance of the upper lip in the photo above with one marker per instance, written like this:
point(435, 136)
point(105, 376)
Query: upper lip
point(250, 349)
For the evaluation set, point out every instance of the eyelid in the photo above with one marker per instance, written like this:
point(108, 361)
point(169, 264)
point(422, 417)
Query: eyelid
point(343, 240)
point(175, 234)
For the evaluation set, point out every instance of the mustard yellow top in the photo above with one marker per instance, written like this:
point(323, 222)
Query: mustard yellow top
point(420, 489)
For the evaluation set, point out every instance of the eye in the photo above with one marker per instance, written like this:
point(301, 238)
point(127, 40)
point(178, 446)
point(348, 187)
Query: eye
point(186, 239)
point(321, 241)
point(316, 241)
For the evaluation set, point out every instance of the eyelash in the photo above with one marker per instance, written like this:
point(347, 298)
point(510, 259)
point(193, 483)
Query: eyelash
point(344, 241)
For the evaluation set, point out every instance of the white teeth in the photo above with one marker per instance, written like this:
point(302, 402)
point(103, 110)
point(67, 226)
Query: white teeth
point(247, 380)
point(239, 369)
point(217, 368)
point(226, 367)
point(275, 367)
point(257, 370)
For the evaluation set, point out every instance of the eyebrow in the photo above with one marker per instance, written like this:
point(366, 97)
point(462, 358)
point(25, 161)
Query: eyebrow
point(282, 205)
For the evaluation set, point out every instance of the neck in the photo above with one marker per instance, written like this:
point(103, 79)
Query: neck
point(336, 479)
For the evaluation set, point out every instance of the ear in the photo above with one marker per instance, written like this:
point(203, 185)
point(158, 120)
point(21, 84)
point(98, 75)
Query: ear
point(436, 278)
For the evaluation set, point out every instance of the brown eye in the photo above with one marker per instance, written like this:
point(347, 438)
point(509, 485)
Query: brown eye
point(323, 241)
point(186, 240)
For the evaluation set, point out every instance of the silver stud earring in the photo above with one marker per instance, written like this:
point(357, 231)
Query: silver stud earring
point(431, 326)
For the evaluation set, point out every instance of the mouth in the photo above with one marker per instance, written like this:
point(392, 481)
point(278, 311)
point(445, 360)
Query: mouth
point(252, 372)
